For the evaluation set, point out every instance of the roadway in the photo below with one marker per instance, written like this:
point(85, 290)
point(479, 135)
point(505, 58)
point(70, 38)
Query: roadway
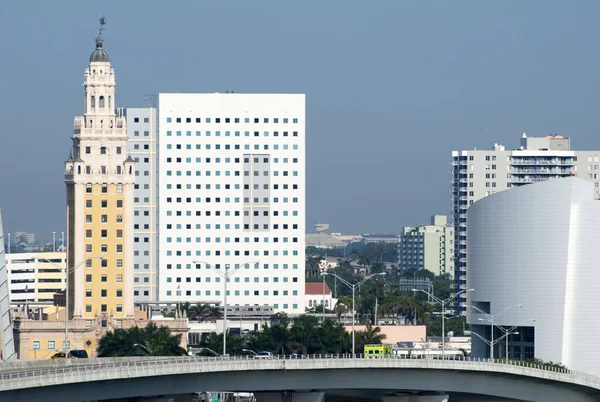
point(337, 377)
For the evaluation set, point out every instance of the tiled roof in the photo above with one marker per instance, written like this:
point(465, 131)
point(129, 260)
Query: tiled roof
point(316, 288)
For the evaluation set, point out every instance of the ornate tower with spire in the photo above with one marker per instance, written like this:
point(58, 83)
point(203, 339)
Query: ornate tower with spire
point(99, 177)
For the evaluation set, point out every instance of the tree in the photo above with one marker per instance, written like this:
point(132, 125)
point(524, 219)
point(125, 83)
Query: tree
point(303, 332)
point(370, 336)
point(202, 313)
point(313, 264)
point(157, 340)
point(279, 332)
point(331, 337)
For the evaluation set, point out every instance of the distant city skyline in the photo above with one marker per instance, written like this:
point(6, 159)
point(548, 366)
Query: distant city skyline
point(387, 102)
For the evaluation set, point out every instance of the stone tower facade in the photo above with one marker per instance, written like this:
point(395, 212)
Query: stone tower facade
point(99, 177)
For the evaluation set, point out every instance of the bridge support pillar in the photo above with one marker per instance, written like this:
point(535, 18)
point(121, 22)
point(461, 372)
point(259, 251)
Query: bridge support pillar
point(416, 398)
point(289, 396)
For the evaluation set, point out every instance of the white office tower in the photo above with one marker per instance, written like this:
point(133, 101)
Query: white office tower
point(142, 147)
point(232, 198)
point(537, 246)
point(479, 173)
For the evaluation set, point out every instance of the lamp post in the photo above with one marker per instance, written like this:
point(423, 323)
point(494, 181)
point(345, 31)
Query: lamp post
point(143, 347)
point(353, 286)
point(68, 271)
point(211, 351)
point(250, 351)
point(225, 275)
point(507, 335)
point(497, 340)
point(443, 303)
point(490, 318)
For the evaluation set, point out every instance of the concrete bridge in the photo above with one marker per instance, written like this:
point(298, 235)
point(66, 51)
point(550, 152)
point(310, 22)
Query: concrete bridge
point(311, 379)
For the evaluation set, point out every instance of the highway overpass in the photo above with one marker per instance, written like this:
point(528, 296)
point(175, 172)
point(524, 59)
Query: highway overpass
point(312, 379)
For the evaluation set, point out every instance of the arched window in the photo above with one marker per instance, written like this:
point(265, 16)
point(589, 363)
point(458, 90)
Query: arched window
point(78, 169)
point(310, 303)
point(109, 102)
point(93, 102)
point(101, 101)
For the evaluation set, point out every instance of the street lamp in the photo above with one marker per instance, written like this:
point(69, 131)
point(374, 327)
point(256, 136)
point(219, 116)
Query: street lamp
point(211, 351)
point(443, 303)
point(353, 286)
point(250, 351)
point(507, 335)
point(68, 271)
point(490, 318)
point(497, 340)
point(225, 275)
point(143, 347)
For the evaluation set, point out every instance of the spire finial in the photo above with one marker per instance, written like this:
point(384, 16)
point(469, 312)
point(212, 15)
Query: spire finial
point(100, 39)
point(102, 23)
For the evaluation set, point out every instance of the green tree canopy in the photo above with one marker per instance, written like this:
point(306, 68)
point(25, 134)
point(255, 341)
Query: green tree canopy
point(157, 341)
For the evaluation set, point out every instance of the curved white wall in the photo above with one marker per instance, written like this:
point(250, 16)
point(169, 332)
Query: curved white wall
point(539, 245)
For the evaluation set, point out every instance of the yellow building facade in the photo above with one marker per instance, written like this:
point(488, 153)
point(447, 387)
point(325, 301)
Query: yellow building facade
point(99, 177)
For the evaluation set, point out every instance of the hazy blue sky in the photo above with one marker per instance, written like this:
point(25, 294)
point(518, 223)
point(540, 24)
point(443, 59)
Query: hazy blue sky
point(392, 88)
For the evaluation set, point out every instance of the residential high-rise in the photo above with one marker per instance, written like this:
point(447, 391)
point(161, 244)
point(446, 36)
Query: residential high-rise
point(141, 129)
point(479, 173)
point(232, 196)
point(429, 247)
point(99, 177)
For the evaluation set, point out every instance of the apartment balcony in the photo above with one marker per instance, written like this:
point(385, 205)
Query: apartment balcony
point(543, 171)
point(526, 180)
point(542, 161)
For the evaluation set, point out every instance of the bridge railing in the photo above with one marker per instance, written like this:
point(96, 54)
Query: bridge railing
point(49, 368)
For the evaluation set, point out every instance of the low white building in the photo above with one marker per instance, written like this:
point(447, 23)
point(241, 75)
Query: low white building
point(34, 278)
point(537, 246)
point(318, 293)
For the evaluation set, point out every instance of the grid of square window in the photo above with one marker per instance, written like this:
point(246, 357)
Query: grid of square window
point(142, 147)
point(231, 197)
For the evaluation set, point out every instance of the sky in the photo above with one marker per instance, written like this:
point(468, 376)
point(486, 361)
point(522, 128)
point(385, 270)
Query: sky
point(392, 87)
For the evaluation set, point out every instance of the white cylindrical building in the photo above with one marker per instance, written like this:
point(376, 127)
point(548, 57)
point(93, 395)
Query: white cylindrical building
point(539, 246)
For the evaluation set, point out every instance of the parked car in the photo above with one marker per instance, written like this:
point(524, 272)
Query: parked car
point(77, 354)
point(73, 354)
point(264, 355)
point(58, 356)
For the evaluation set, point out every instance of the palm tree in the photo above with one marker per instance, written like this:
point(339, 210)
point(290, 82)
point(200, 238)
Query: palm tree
point(340, 309)
point(329, 338)
point(314, 266)
point(259, 340)
point(303, 331)
point(160, 342)
point(157, 340)
point(371, 336)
